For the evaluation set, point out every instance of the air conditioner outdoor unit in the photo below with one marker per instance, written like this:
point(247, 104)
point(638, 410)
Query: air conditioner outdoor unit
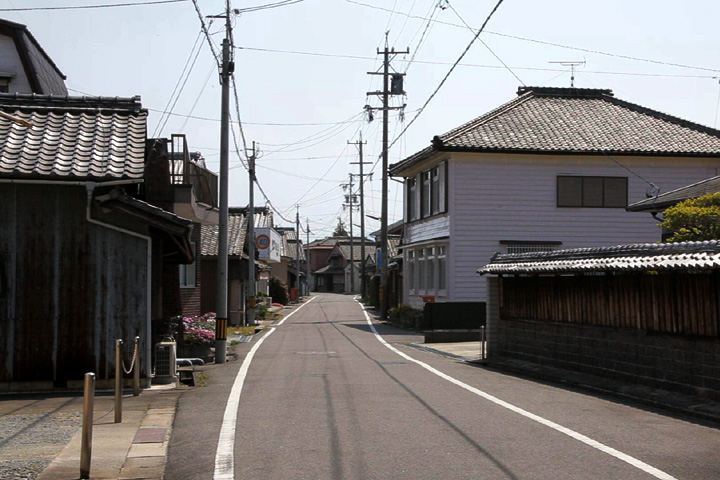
point(165, 362)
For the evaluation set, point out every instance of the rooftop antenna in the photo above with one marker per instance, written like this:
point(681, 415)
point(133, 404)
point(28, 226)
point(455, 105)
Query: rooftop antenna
point(572, 64)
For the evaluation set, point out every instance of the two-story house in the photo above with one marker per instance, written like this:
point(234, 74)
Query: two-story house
point(553, 168)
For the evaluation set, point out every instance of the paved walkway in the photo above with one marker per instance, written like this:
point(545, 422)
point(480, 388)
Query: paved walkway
point(133, 449)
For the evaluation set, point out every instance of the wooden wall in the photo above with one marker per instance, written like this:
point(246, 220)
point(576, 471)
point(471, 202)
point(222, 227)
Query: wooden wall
point(68, 289)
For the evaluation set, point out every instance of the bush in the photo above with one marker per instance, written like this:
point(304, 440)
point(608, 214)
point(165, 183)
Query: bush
point(199, 330)
point(694, 220)
point(374, 293)
point(278, 291)
point(405, 316)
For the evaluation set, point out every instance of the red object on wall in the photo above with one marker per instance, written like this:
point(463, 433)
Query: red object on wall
point(429, 299)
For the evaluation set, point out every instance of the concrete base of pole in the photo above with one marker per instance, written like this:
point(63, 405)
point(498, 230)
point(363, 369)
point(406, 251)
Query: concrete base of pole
point(220, 351)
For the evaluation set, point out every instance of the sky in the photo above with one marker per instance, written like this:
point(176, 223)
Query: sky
point(301, 71)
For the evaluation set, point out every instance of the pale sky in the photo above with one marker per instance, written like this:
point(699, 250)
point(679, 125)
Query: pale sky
point(302, 109)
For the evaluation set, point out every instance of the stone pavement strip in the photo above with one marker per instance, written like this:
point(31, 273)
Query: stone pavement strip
point(133, 449)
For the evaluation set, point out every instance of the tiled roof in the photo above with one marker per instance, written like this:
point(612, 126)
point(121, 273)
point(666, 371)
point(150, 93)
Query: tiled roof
point(668, 199)
point(636, 257)
point(44, 76)
point(72, 138)
point(357, 250)
point(237, 231)
point(289, 243)
point(393, 244)
point(574, 121)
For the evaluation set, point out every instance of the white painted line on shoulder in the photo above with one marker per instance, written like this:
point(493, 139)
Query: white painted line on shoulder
point(548, 423)
point(293, 312)
point(225, 453)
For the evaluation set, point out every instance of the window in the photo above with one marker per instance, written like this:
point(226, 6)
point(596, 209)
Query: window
point(411, 269)
point(188, 272)
point(435, 203)
point(412, 199)
point(426, 194)
point(430, 262)
point(421, 268)
point(4, 85)
point(442, 274)
point(600, 192)
point(529, 246)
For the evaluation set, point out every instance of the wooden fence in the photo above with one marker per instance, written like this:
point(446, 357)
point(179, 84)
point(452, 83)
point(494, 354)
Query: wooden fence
point(671, 302)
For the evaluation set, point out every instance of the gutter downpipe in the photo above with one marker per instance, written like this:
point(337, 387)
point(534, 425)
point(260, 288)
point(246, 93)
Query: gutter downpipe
point(90, 186)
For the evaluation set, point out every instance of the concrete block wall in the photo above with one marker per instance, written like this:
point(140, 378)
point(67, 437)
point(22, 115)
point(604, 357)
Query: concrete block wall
point(685, 364)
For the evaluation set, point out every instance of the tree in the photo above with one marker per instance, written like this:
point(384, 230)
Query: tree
point(340, 229)
point(694, 220)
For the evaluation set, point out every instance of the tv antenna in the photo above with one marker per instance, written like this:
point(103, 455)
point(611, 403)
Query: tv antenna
point(572, 65)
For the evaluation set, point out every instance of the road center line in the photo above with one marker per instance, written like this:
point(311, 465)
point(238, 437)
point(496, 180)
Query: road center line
point(548, 423)
point(225, 453)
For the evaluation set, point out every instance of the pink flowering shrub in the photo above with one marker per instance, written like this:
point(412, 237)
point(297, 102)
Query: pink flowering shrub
point(200, 330)
point(277, 304)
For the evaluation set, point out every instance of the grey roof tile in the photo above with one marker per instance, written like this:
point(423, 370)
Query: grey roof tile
point(72, 138)
point(634, 257)
point(574, 120)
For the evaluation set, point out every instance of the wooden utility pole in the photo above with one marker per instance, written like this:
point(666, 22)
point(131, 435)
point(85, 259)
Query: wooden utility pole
point(297, 253)
point(251, 238)
point(307, 255)
point(221, 309)
point(350, 202)
point(397, 89)
point(363, 279)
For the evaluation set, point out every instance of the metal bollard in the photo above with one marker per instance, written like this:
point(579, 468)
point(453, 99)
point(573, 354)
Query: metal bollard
point(136, 369)
point(118, 381)
point(87, 426)
point(482, 343)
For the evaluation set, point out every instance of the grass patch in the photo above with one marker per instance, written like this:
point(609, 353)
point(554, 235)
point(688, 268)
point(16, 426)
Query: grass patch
point(241, 330)
point(202, 379)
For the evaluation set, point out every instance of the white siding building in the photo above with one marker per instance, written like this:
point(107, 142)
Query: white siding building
point(554, 168)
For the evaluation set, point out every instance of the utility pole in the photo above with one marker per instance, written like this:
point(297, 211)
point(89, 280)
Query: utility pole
point(363, 279)
point(251, 238)
point(350, 202)
point(397, 89)
point(307, 255)
point(222, 279)
point(297, 252)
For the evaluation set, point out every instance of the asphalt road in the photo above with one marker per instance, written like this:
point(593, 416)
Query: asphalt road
point(324, 398)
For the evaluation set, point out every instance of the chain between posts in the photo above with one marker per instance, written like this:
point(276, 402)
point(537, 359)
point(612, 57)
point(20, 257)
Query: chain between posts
point(128, 371)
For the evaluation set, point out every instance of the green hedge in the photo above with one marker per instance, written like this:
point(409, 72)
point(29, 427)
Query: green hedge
point(405, 316)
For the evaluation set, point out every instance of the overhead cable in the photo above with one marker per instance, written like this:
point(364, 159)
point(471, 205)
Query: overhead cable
point(83, 7)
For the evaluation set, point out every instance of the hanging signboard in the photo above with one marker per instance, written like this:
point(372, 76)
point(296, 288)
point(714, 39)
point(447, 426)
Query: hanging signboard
point(268, 243)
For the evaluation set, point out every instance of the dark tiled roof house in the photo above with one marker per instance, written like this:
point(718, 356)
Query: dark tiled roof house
point(553, 168)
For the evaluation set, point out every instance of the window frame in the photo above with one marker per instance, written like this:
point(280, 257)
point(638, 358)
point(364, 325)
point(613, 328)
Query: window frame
point(427, 193)
point(187, 271)
point(583, 203)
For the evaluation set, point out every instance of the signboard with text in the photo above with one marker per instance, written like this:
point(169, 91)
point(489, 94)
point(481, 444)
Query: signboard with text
point(268, 243)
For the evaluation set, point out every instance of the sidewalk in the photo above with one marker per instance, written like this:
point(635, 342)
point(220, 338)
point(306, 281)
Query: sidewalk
point(133, 449)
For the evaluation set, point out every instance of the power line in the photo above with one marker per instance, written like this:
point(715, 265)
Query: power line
point(82, 7)
point(447, 75)
point(268, 6)
point(474, 65)
point(207, 33)
point(542, 42)
point(485, 44)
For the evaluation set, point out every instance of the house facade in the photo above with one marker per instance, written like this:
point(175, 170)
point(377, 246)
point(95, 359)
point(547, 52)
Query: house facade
point(82, 252)
point(552, 169)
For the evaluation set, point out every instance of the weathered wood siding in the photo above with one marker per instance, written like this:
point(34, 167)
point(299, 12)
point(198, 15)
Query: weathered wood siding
point(513, 197)
point(68, 289)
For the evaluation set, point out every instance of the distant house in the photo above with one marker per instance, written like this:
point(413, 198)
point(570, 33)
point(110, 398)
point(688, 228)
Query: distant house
point(552, 169)
point(24, 65)
point(286, 270)
point(238, 262)
point(332, 255)
point(82, 252)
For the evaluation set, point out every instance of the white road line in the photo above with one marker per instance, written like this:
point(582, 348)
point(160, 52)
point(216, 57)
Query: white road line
point(571, 433)
point(225, 453)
